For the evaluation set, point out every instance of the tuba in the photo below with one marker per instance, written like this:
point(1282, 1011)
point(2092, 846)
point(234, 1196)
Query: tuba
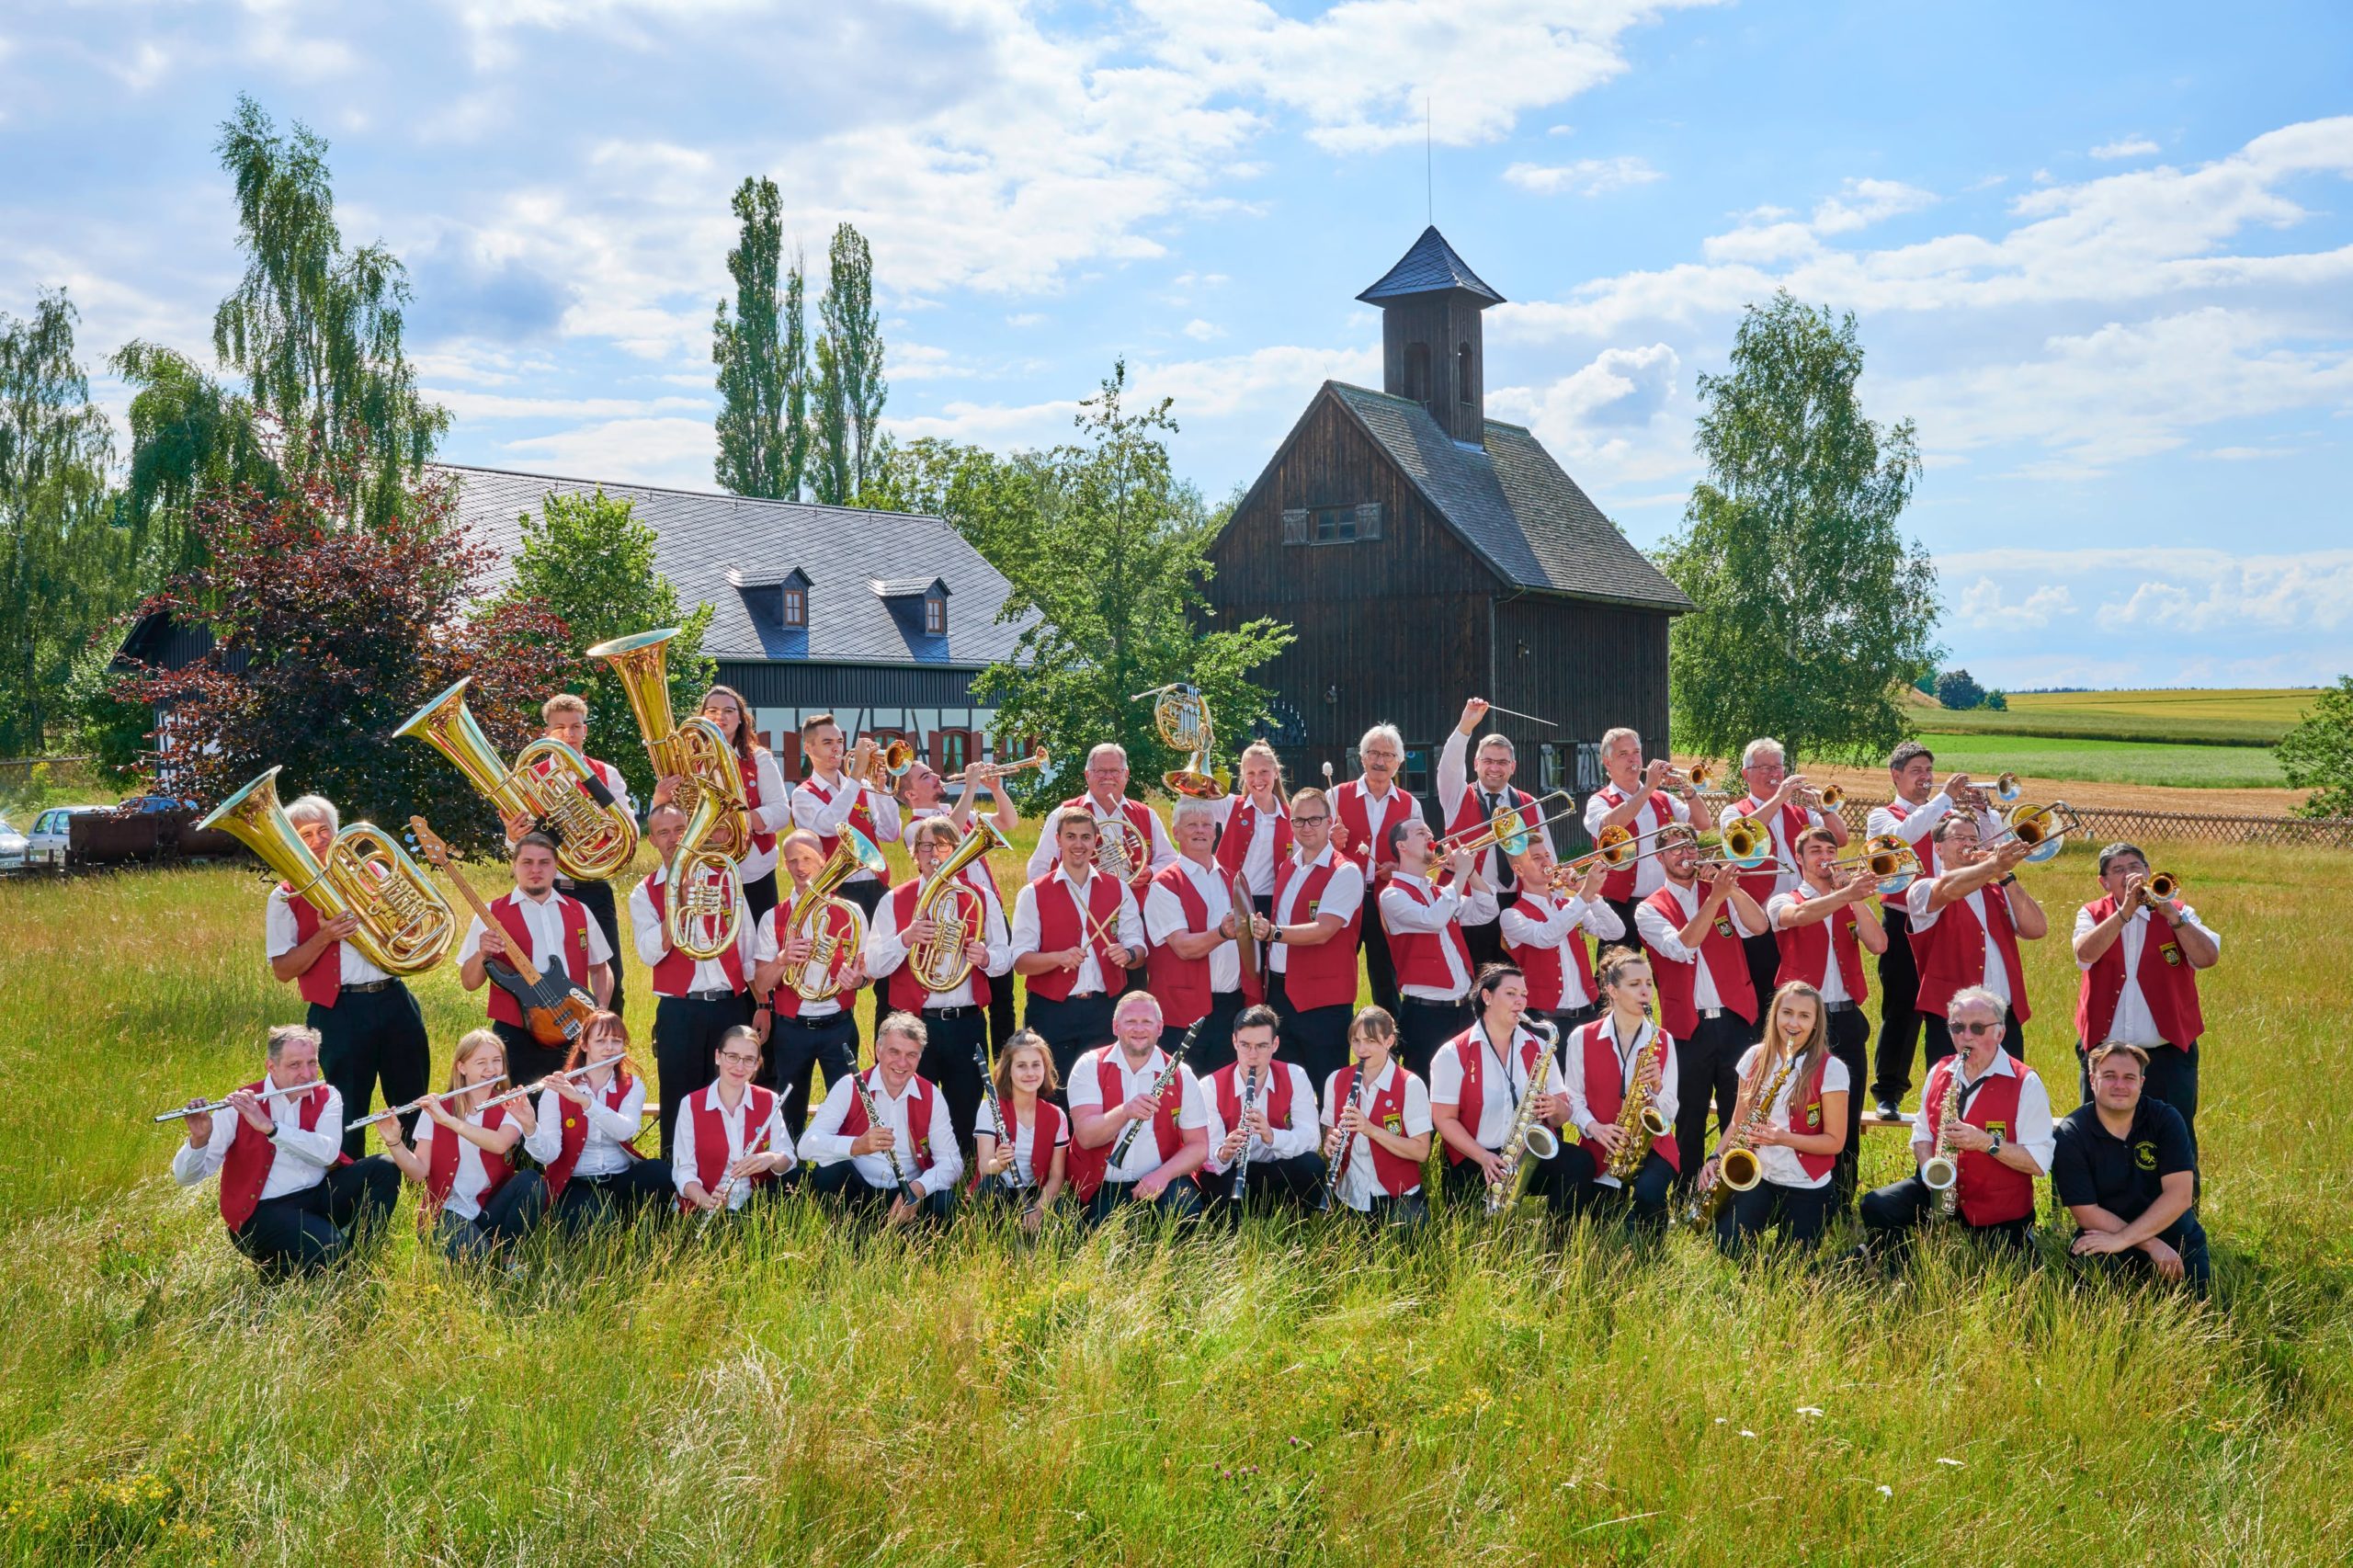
point(695, 752)
point(959, 912)
point(405, 925)
point(549, 783)
point(1181, 715)
point(835, 926)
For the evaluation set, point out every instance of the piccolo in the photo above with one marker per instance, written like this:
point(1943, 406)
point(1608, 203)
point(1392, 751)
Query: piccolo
point(585, 1067)
point(421, 1102)
point(210, 1106)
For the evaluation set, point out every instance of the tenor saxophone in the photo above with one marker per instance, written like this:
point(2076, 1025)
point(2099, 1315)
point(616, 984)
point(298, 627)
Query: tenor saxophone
point(1527, 1136)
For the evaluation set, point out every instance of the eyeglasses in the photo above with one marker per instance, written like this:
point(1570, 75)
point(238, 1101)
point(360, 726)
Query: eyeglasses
point(1308, 822)
point(739, 1058)
point(1976, 1027)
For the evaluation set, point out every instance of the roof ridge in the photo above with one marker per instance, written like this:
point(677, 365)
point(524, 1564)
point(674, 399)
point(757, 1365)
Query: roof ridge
point(679, 490)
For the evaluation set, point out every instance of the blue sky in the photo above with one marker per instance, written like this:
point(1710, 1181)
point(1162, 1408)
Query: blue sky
point(2102, 256)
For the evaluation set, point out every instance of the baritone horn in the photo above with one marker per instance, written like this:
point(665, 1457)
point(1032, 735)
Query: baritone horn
point(835, 926)
point(405, 925)
point(704, 907)
point(695, 752)
point(550, 784)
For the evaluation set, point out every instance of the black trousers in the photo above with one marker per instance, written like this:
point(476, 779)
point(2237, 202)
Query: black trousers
point(1296, 1183)
point(796, 1045)
point(2173, 1078)
point(598, 897)
point(1380, 967)
point(1410, 1212)
point(587, 1200)
point(1486, 944)
point(528, 1060)
point(304, 1232)
point(1764, 955)
point(1936, 1038)
point(841, 1182)
point(369, 1038)
point(2185, 1235)
point(1802, 1212)
point(1899, 1023)
point(868, 895)
point(1465, 1184)
point(497, 1228)
point(759, 894)
point(1213, 1047)
point(1004, 1024)
point(686, 1031)
point(1178, 1200)
point(1707, 1067)
point(1625, 908)
point(1316, 1038)
point(1641, 1203)
point(1070, 1028)
point(1894, 1214)
point(955, 1040)
point(1421, 1027)
point(1566, 1019)
point(1850, 1042)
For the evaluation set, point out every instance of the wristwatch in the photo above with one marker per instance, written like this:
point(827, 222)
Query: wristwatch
point(1995, 1146)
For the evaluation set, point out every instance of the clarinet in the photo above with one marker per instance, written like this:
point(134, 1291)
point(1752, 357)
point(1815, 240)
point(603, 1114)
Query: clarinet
point(1014, 1177)
point(1339, 1166)
point(1159, 1088)
point(874, 1118)
point(1242, 1160)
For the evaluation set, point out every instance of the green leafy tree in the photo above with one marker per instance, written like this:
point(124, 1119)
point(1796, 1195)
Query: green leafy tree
point(762, 355)
point(67, 569)
point(2317, 754)
point(850, 384)
point(1959, 689)
point(589, 560)
point(994, 502)
point(1815, 610)
point(313, 329)
point(1114, 577)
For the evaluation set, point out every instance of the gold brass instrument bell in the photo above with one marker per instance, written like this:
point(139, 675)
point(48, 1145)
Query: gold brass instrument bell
point(695, 752)
point(1180, 714)
point(550, 784)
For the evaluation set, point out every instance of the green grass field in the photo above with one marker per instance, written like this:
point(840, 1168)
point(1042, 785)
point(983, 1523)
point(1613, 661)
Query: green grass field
point(788, 1392)
point(1987, 755)
point(2242, 718)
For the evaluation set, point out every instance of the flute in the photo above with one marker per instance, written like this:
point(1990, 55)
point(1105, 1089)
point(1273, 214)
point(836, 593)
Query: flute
point(727, 1188)
point(534, 1088)
point(210, 1106)
point(421, 1102)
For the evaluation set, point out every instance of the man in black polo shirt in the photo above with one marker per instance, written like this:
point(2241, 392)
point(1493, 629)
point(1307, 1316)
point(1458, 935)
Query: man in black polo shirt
point(2125, 1170)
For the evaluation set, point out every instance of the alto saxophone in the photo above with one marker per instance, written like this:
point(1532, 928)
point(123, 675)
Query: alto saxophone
point(1527, 1136)
point(1638, 1119)
point(1737, 1167)
point(1940, 1173)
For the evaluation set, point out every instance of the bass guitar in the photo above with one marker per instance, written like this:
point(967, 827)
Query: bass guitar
point(554, 1009)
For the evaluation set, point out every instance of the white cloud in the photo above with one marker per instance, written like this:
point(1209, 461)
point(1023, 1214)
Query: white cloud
point(467, 404)
point(1614, 422)
point(1862, 202)
point(1201, 330)
point(1981, 605)
point(2189, 591)
point(1587, 176)
point(673, 451)
point(1025, 319)
point(2125, 147)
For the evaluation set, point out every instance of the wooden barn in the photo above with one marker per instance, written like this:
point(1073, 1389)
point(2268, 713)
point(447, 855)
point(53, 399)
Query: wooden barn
point(1425, 553)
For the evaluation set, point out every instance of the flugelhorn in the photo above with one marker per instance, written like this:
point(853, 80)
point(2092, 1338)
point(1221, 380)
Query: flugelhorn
point(695, 752)
point(1035, 759)
point(405, 925)
point(956, 909)
point(550, 784)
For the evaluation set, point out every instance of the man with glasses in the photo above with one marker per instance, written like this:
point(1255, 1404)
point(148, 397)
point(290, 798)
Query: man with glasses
point(1311, 961)
point(1106, 796)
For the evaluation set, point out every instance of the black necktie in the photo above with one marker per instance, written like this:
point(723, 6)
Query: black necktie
point(1504, 882)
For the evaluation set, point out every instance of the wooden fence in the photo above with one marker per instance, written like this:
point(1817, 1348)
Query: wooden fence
point(2108, 825)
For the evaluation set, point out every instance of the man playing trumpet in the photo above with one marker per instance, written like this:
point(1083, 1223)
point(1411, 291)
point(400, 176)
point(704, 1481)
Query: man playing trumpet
point(1912, 815)
point(1788, 805)
point(1642, 799)
point(1967, 921)
point(2140, 949)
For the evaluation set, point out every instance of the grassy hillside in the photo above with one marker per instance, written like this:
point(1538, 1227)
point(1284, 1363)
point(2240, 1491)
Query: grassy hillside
point(2242, 718)
point(787, 1392)
point(1987, 753)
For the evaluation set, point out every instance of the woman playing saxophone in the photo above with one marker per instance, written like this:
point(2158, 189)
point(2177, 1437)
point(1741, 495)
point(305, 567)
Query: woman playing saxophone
point(1788, 1126)
point(1620, 1072)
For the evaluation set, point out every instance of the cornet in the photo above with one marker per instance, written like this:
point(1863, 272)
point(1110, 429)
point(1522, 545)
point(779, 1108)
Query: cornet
point(881, 767)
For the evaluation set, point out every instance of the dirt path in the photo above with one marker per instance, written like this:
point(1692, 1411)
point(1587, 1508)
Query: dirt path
point(1871, 784)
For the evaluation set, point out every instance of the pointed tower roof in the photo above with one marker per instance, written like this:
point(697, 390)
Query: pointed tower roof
point(1431, 268)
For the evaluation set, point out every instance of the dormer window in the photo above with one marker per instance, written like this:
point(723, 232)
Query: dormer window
point(935, 616)
point(792, 609)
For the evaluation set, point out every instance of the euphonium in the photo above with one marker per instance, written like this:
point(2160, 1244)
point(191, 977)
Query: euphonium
point(549, 783)
point(835, 926)
point(1940, 1172)
point(405, 925)
point(1737, 1166)
point(694, 752)
point(1528, 1140)
point(957, 911)
point(1638, 1118)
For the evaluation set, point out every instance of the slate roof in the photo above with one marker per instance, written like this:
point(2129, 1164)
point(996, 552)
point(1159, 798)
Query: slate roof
point(1512, 504)
point(731, 551)
point(1429, 267)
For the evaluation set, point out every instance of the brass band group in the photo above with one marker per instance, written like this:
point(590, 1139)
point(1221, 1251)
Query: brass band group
point(1564, 1030)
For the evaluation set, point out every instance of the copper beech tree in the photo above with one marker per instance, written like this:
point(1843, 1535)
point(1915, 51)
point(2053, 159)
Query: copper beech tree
point(325, 636)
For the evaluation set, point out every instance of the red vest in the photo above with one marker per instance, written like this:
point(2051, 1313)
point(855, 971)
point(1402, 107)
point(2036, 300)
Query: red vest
point(1806, 950)
point(1805, 1117)
point(919, 1094)
point(1241, 826)
point(862, 816)
point(1324, 975)
point(245, 1168)
point(1605, 1087)
point(784, 998)
point(1924, 850)
point(675, 975)
point(1720, 950)
point(712, 1158)
point(1760, 885)
point(1991, 1193)
point(1181, 986)
point(1619, 885)
point(441, 1167)
point(574, 918)
point(575, 1134)
point(323, 981)
point(1952, 953)
point(2168, 985)
point(1546, 984)
point(906, 992)
point(1470, 1049)
point(1396, 1174)
point(1419, 958)
point(1088, 1166)
point(1367, 839)
point(1139, 817)
point(1274, 1095)
point(1057, 930)
point(1045, 1133)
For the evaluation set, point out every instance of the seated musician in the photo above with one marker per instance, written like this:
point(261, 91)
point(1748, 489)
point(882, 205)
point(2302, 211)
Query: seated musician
point(1803, 1090)
point(1477, 1080)
point(464, 1157)
point(883, 1138)
point(1076, 932)
point(1692, 928)
point(369, 1025)
point(290, 1201)
point(696, 1001)
point(1378, 1121)
point(1268, 1107)
point(817, 1029)
point(1194, 965)
point(1423, 914)
point(1544, 931)
point(2140, 956)
point(1967, 921)
point(732, 1144)
point(1312, 963)
point(1824, 926)
point(1603, 1062)
point(1126, 1087)
point(2001, 1142)
point(955, 1020)
point(555, 933)
point(582, 1128)
point(2125, 1168)
point(1027, 1171)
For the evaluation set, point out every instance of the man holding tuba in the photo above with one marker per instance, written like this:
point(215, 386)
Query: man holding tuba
point(369, 1025)
point(696, 1001)
point(944, 924)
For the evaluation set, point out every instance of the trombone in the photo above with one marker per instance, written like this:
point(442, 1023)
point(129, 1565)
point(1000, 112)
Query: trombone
point(2044, 829)
point(1894, 863)
point(1508, 830)
point(1616, 847)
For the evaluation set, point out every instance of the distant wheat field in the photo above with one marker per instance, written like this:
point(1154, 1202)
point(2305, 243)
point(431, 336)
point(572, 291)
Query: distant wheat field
point(2252, 717)
point(791, 1393)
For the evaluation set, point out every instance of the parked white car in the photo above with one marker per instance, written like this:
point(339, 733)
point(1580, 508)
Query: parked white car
point(47, 844)
point(12, 846)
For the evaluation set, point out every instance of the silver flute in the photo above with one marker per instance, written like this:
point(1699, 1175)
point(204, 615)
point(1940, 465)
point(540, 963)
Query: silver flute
point(210, 1106)
point(528, 1089)
point(422, 1101)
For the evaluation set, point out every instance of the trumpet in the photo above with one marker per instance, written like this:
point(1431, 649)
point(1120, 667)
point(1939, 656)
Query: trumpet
point(550, 784)
point(1508, 830)
point(1887, 858)
point(1035, 759)
point(695, 752)
point(881, 767)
